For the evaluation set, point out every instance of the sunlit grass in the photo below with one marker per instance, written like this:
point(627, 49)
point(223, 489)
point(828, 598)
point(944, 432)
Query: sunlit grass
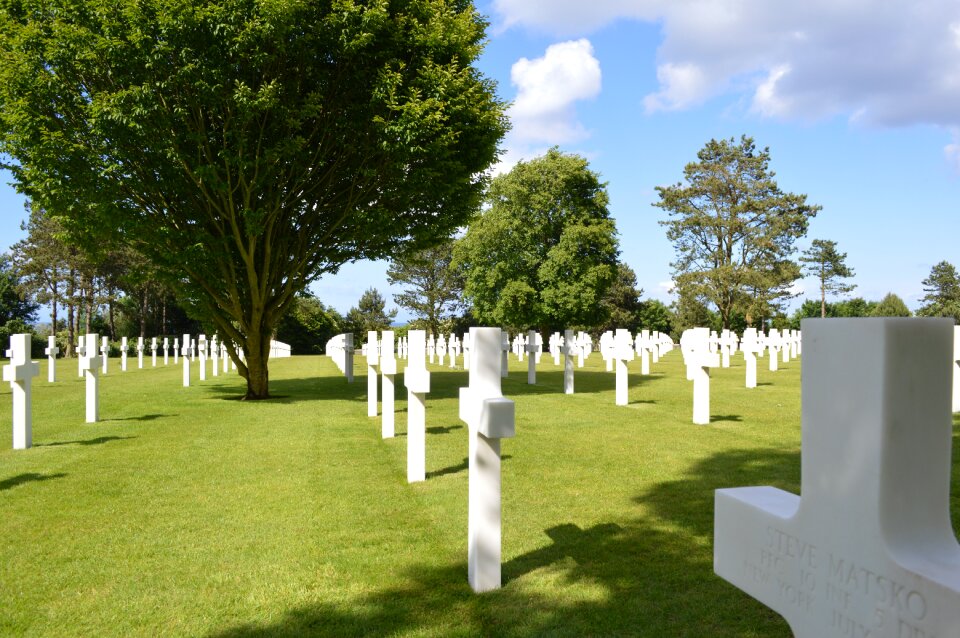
point(188, 512)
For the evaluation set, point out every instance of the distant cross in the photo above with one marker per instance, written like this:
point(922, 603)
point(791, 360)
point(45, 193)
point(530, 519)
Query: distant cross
point(153, 351)
point(372, 359)
point(90, 364)
point(51, 351)
point(774, 342)
point(868, 550)
point(388, 371)
point(19, 373)
point(104, 353)
point(623, 351)
point(186, 360)
point(751, 347)
point(531, 349)
point(697, 355)
point(568, 348)
point(202, 348)
point(166, 350)
point(124, 347)
point(140, 353)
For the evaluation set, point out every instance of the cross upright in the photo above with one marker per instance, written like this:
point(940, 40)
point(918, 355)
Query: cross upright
point(202, 348)
point(19, 373)
point(774, 342)
point(124, 347)
point(490, 417)
point(696, 348)
point(373, 359)
point(643, 348)
point(868, 549)
point(153, 351)
point(214, 356)
point(51, 351)
point(81, 349)
point(504, 355)
point(388, 371)
point(140, 353)
point(568, 348)
point(751, 347)
point(186, 360)
point(531, 350)
point(166, 350)
point(347, 357)
point(90, 364)
point(416, 378)
point(623, 351)
point(104, 353)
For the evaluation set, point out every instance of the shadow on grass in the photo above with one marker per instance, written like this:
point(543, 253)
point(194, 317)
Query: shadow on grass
point(145, 417)
point(443, 429)
point(459, 467)
point(642, 575)
point(29, 477)
point(717, 418)
point(97, 441)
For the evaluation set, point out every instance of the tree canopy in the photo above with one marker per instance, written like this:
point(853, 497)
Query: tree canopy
point(823, 261)
point(433, 289)
point(242, 153)
point(733, 229)
point(370, 313)
point(942, 288)
point(544, 252)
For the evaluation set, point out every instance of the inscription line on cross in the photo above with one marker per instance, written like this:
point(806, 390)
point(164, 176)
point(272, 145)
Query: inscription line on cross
point(868, 548)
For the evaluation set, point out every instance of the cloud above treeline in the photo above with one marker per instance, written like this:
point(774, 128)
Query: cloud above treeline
point(879, 62)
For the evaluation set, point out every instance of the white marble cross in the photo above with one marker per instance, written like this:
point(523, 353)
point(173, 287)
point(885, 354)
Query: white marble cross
point(568, 348)
point(416, 378)
point(124, 347)
point(697, 355)
point(153, 351)
point(867, 550)
point(555, 348)
point(728, 345)
point(388, 371)
point(431, 347)
point(176, 350)
point(202, 348)
point(774, 343)
point(531, 349)
point(372, 360)
point(606, 349)
point(104, 353)
point(490, 417)
point(186, 360)
point(19, 373)
point(166, 350)
point(347, 357)
point(140, 353)
point(623, 352)
point(214, 356)
point(81, 349)
point(644, 346)
point(90, 363)
point(504, 355)
point(51, 351)
point(751, 347)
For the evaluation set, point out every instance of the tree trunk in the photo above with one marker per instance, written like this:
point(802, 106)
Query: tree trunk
point(823, 302)
point(256, 350)
point(71, 332)
point(163, 315)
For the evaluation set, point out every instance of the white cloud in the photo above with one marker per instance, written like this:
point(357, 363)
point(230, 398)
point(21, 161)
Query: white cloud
point(547, 90)
point(667, 286)
point(952, 150)
point(889, 62)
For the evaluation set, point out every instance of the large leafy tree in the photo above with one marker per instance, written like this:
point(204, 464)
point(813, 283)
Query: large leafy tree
point(823, 261)
point(942, 288)
point(433, 289)
point(41, 261)
point(891, 306)
point(544, 252)
point(14, 305)
point(244, 147)
point(733, 229)
point(622, 301)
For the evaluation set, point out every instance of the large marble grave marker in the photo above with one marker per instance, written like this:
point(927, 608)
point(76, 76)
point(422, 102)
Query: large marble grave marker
point(19, 374)
point(51, 351)
point(372, 359)
point(90, 363)
point(956, 368)
point(490, 417)
point(751, 347)
point(416, 378)
point(388, 370)
point(867, 550)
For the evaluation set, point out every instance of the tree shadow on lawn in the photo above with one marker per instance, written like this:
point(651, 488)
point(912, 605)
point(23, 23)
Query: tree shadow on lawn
point(639, 576)
point(145, 417)
point(28, 477)
point(300, 390)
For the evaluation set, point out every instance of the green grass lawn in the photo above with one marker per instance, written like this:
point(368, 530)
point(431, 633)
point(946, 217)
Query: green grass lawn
point(188, 512)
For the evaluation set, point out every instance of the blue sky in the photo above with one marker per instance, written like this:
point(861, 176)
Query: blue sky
point(858, 101)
